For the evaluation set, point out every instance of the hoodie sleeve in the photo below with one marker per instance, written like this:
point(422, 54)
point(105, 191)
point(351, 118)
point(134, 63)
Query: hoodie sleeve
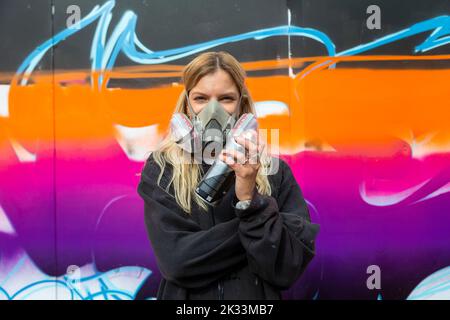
point(186, 255)
point(277, 233)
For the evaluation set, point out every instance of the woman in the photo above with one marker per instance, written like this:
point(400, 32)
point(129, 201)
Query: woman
point(258, 240)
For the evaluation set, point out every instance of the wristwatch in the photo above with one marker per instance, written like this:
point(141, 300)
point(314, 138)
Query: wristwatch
point(243, 204)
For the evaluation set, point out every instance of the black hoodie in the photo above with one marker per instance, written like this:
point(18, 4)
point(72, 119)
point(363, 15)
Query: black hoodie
point(228, 253)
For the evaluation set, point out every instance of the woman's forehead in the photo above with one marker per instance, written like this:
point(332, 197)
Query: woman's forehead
point(218, 83)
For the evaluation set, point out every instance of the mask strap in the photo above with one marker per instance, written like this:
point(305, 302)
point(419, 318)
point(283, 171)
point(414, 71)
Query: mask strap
point(198, 128)
point(235, 114)
point(194, 115)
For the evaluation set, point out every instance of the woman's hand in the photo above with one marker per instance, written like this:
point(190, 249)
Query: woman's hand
point(245, 165)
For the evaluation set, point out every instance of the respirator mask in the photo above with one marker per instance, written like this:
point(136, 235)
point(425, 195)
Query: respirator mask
point(204, 134)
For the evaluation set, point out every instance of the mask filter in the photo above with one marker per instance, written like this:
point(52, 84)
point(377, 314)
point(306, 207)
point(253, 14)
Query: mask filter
point(184, 133)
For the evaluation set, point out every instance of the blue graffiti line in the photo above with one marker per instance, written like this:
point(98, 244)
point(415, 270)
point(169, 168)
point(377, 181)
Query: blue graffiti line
point(33, 59)
point(103, 54)
point(434, 277)
point(439, 37)
point(123, 38)
point(107, 288)
point(36, 286)
point(5, 293)
point(17, 266)
point(437, 289)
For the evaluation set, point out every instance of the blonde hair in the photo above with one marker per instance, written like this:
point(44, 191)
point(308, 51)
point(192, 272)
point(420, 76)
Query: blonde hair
point(185, 174)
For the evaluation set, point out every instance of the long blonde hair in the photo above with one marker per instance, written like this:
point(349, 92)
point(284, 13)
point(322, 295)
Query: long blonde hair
point(187, 174)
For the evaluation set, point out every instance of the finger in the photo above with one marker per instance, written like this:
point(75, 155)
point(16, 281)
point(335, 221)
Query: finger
point(232, 156)
point(251, 135)
point(253, 150)
point(255, 156)
point(249, 146)
point(249, 157)
point(237, 156)
point(261, 146)
point(227, 159)
point(254, 159)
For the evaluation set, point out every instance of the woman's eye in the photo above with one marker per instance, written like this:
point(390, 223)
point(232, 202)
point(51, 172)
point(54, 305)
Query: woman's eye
point(227, 99)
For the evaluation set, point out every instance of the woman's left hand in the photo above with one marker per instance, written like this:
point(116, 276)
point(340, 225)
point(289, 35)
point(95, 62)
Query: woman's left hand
point(245, 165)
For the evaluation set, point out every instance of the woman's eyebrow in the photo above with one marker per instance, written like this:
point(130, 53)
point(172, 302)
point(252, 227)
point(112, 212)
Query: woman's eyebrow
point(228, 94)
point(221, 95)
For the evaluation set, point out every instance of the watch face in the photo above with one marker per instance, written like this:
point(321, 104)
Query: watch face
point(243, 204)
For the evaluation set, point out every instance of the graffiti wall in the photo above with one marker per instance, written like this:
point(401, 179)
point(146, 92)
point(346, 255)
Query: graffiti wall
point(357, 89)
